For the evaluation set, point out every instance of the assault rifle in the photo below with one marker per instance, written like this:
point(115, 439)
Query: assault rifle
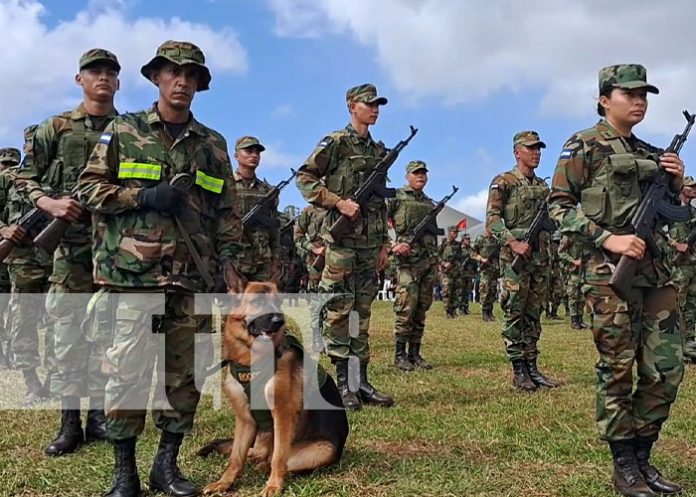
point(428, 224)
point(373, 185)
point(653, 209)
point(31, 223)
point(541, 222)
point(258, 215)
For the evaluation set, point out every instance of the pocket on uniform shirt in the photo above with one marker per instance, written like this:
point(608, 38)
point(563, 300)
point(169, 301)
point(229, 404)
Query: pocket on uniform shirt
point(139, 249)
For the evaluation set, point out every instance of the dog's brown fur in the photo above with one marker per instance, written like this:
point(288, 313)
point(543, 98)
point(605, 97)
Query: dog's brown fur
point(295, 444)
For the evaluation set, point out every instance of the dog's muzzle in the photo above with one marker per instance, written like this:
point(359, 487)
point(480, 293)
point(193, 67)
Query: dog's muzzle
point(267, 324)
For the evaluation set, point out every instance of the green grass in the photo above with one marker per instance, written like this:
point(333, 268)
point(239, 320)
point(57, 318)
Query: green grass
point(459, 430)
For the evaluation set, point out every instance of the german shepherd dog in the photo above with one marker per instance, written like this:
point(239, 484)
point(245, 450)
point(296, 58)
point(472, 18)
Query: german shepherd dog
point(298, 439)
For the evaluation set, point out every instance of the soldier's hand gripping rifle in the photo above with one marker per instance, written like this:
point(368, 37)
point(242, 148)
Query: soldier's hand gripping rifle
point(31, 223)
point(258, 215)
point(652, 209)
point(428, 224)
point(541, 222)
point(49, 238)
point(373, 185)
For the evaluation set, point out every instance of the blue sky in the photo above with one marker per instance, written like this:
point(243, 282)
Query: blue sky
point(466, 75)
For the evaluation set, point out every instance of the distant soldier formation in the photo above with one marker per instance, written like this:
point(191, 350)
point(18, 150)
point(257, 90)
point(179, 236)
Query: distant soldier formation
point(109, 204)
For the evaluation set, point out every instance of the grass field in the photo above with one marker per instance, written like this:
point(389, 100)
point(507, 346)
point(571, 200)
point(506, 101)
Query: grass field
point(458, 430)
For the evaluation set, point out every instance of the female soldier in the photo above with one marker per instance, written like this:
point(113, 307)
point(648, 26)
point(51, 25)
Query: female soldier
point(605, 169)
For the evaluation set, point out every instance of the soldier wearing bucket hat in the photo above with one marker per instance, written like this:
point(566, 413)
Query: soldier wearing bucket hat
point(127, 184)
point(55, 157)
point(599, 182)
point(9, 157)
point(328, 179)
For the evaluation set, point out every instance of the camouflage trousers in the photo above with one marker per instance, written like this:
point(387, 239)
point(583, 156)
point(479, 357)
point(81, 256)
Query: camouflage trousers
point(414, 296)
point(685, 279)
point(72, 274)
point(450, 294)
point(576, 301)
point(313, 279)
point(488, 287)
point(522, 297)
point(132, 355)
point(254, 268)
point(26, 313)
point(556, 288)
point(643, 332)
point(352, 273)
point(5, 289)
point(464, 288)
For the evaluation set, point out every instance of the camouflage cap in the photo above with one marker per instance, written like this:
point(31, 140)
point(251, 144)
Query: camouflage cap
point(689, 181)
point(248, 142)
point(528, 139)
point(365, 93)
point(466, 236)
point(453, 228)
point(95, 55)
point(180, 53)
point(416, 165)
point(10, 154)
point(627, 76)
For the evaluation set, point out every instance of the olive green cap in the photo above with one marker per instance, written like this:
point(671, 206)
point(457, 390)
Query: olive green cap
point(10, 154)
point(416, 165)
point(248, 142)
point(528, 139)
point(627, 76)
point(179, 53)
point(365, 93)
point(94, 55)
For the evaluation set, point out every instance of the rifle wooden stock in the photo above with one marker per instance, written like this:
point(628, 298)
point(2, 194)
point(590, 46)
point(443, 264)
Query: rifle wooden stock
point(341, 227)
point(319, 262)
point(50, 237)
point(622, 277)
point(518, 264)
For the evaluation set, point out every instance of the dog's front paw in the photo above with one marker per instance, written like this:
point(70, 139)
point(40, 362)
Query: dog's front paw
point(219, 486)
point(271, 489)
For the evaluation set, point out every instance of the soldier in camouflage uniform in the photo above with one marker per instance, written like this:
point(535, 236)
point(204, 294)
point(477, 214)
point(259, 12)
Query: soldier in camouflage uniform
point(328, 179)
point(9, 159)
point(513, 200)
point(605, 168)
point(449, 255)
point(58, 155)
point(311, 248)
point(556, 289)
point(485, 251)
point(685, 269)
point(261, 254)
point(138, 248)
point(29, 268)
point(467, 270)
point(572, 266)
point(416, 267)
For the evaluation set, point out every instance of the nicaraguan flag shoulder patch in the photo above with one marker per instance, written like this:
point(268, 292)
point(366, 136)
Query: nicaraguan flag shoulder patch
point(105, 138)
point(566, 153)
point(325, 142)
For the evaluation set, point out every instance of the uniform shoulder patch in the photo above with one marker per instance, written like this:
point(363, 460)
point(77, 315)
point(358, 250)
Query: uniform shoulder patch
point(567, 153)
point(105, 138)
point(325, 142)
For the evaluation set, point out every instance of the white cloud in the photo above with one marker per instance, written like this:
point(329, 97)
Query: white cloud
point(473, 205)
point(274, 157)
point(44, 59)
point(465, 50)
point(283, 110)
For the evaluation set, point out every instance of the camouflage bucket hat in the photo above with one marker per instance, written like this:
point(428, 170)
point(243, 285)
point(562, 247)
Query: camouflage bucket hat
point(689, 181)
point(180, 53)
point(453, 228)
point(416, 165)
point(627, 76)
point(528, 139)
point(248, 142)
point(10, 154)
point(365, 93)
point(99, 55)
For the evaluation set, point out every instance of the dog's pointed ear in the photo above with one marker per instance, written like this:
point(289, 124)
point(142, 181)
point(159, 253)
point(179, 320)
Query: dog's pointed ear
point(236, 283)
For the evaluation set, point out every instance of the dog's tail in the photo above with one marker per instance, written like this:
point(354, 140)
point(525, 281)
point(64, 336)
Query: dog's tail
point(220, 445)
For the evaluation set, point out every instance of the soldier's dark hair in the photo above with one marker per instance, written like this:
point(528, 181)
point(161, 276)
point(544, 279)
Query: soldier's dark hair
point(606, 92)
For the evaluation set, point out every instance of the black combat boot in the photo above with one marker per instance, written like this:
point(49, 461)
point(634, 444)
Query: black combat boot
point(401, 360)
point(95, 428)
point(70, 436)
point(651, 475)
point(126, 482)
point(582, 324)
point(369, 395)
point(538, 378)
point(575, 323)
point(165, 475)
point(415, 357)
point(349, 398)
point(484, 315)
point(627, 479)
point(465, 309)
point(521, 379)
point(553, 314)
point(449, 314)
point(34, 386)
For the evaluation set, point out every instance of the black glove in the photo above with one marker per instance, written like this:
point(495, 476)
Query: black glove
point(220, 285)
point(162, 197)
